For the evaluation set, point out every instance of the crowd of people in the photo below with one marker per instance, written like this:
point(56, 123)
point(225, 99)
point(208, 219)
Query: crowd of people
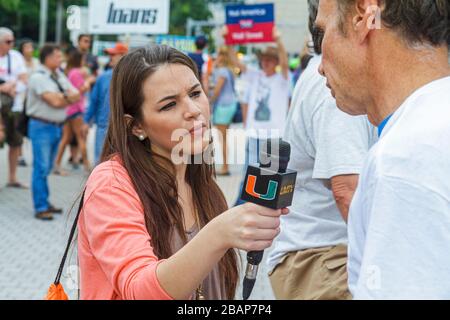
point(63, 93)
point(51, 100)
point(367, 119)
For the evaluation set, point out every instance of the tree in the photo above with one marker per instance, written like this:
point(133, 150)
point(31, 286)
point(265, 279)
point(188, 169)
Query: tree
point(22, 16)
point(180, 11)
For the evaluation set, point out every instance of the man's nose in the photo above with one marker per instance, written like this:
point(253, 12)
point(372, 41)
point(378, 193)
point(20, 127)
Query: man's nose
point(321, 71)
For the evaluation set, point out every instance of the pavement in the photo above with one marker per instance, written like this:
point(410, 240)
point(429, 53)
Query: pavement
point(30, 250)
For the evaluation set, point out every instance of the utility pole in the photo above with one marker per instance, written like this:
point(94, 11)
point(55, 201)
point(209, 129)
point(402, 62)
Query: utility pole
point(43, 23)
point(59, 21)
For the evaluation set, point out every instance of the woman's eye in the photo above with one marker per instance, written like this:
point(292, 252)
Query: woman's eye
point(196, 94)
point(168, 107)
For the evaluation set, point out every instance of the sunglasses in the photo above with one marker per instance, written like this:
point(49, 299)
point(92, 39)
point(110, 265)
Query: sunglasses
point(9, 42)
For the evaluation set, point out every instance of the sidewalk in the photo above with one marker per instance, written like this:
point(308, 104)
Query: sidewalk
point(30, 250)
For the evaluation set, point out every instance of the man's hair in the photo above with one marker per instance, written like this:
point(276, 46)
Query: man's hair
point(317, 34)
point(201, 42)
point(5, 32)
point(416, 21)
point(83, 35)
point(47, 50)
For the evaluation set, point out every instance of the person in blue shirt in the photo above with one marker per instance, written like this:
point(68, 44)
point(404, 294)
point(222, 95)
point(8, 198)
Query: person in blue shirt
point(98, 110)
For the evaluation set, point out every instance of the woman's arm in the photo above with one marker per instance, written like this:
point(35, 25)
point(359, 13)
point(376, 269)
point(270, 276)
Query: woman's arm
point(282, 53)
point(113, 220)
point(248, 227)
point(218, 89)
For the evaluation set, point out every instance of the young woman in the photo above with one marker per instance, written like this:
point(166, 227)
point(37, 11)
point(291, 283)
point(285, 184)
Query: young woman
point(74, 123)
point(152, 227)
point(224, 99)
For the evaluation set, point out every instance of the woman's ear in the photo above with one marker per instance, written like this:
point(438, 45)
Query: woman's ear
point(136, 129)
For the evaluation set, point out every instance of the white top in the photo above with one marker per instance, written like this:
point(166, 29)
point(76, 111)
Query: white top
point(268, 102)
point(325, 143)
point(399, 227)
point(18, 68)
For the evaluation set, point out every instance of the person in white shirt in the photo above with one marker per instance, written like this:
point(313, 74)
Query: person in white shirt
point(13, 79)
point(388, 59)
point(328, 147)
point(266, 101)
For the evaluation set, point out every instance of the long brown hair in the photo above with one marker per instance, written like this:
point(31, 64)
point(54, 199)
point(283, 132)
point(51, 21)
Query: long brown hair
point(154, 183)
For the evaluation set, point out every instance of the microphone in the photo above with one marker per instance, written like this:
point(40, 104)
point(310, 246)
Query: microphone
point(270, 185)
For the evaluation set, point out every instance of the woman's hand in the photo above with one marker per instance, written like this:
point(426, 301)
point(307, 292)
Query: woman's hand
point(249, 227)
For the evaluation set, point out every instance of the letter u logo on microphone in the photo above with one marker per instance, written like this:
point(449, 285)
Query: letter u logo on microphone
point(271, 189)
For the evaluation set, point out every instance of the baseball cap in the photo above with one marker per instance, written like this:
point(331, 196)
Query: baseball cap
point(119, 48)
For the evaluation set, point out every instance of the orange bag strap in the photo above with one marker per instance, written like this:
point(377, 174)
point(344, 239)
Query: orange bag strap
point(69, 242)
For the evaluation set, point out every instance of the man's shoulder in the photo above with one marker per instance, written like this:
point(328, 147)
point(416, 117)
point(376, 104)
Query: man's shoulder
point(105, 76)
point(38, 75)
point(15, 54)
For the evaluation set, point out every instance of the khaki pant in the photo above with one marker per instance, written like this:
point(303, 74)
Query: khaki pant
point(313, 274)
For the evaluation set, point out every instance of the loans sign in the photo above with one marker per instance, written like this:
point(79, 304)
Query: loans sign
point(129, 16)
point(250, 23)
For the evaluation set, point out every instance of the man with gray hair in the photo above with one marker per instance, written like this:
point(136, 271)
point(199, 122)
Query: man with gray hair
point(309, 257)
point(13, 78)
point(389, 59)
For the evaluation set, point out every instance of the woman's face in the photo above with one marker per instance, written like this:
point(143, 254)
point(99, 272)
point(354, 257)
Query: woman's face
point(28, 49)
point(175, 112)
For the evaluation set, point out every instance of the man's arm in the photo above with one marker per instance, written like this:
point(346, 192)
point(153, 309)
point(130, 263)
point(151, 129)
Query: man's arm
point(59, 100)
point(344, 188)
point(282, 53)
point(233, 53)
point(94, 101)
point(55, 99)
point(8, 88)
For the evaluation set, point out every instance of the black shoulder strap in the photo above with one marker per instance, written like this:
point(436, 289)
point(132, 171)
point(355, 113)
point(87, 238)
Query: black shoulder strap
point(9, 64)
point(60, 88)
point(69, 242)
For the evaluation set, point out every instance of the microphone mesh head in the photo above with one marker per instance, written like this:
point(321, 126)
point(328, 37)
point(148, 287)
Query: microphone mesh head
point(275, 150)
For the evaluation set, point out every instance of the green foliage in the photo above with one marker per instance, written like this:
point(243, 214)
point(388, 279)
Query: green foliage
point(23, 15)
point(180, 11)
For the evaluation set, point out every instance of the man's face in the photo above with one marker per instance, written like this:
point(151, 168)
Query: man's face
point(54, 60)
point(269, 65)
point(6, 44)
point(84, 44)
point(343, 59)
point(115, 58)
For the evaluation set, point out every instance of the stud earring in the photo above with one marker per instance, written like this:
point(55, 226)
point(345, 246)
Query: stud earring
point(142, 137)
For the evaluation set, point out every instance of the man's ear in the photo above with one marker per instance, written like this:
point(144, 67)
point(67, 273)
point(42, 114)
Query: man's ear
point(367, 18)
point(137, 129)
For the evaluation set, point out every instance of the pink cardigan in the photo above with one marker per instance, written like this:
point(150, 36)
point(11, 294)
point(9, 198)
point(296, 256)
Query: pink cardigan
point(116, 258)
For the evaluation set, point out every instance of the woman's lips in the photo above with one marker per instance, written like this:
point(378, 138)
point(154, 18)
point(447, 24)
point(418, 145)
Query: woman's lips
point(197, 130)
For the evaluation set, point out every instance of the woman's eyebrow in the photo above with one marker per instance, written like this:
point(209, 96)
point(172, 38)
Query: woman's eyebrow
point(194, 87)
point(176, 95)
point(168, 98)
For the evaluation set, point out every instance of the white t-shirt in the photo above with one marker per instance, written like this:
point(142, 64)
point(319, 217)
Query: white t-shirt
point(325, 142)
point(399, 227)
point(17, 67)
point(268, 102)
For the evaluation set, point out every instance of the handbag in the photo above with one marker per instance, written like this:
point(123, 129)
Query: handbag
point(22, 122)
point(56, 290)
point(237, 118)
point(6, 101)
